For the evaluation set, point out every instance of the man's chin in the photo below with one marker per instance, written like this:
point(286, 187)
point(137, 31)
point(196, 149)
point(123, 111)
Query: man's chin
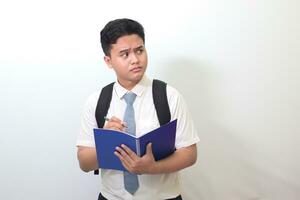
point(137, 77)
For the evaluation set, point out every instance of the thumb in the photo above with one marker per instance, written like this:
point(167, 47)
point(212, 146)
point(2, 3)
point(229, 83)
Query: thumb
point(149, 148)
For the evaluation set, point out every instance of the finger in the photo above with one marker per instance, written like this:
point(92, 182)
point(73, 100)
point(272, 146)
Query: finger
point(129, 152)
point(124, 124)
point(115, 119)
point(114, 126)
point(124, 158)
point(121, 159)
point(149, 148)
point(124, 154)
point(115, 123)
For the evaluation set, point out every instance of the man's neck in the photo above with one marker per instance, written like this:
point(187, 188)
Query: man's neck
point(128, 85)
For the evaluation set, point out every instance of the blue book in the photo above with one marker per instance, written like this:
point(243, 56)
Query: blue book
point(162, 139)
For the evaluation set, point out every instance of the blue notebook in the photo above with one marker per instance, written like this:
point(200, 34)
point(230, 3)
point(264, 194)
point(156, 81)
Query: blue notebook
point(162, 139)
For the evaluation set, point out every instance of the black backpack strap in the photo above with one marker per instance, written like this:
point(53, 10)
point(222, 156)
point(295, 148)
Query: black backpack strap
point(160, 99)
point(103, 104)
point(102, 107)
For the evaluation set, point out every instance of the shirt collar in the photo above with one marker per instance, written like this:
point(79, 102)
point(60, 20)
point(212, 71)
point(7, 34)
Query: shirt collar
point(138, 89)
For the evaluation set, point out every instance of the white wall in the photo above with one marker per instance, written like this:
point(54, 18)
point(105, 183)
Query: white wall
point(236, 63)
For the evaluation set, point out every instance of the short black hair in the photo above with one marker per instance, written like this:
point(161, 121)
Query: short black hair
point(117, 28)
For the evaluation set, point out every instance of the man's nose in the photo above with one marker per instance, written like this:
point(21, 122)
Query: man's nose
point(134, 58)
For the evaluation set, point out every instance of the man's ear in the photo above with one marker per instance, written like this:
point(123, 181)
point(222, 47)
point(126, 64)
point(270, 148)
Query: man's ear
point(107, 60)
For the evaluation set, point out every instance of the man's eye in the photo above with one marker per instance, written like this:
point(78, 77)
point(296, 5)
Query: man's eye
point(124, 55)
point(140, 51)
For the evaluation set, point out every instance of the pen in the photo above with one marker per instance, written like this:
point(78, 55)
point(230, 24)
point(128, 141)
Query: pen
point(106, 118)
point(123, 123)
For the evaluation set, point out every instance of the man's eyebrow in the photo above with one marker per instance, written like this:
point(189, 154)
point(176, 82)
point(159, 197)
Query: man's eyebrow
point(123, 51)
point(126, 50)
point(139, 47)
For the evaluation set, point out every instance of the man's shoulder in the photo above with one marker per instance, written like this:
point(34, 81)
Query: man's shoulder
point(172, 91)
point(92, 99)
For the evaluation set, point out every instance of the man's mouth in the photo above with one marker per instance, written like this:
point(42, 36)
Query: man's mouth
point(136, 69)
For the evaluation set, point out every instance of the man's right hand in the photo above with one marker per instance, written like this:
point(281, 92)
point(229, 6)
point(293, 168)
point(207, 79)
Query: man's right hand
point(115, 123)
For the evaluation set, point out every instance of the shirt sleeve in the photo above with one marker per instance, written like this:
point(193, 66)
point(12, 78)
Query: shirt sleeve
point(186, 134)
point(88, 122)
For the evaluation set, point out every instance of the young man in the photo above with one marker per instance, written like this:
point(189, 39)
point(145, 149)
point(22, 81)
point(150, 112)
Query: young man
point(123, 43)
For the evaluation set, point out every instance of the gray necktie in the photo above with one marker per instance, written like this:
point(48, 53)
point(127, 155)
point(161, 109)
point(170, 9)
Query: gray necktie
point(130, 180)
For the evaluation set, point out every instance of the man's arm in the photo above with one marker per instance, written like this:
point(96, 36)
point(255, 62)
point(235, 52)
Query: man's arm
point(87, 158)
point(180, 159)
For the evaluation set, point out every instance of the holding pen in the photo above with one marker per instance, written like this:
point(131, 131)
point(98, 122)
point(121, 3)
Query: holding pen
point(117, 120)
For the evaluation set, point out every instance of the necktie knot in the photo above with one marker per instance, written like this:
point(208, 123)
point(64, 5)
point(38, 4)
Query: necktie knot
point(129, 98)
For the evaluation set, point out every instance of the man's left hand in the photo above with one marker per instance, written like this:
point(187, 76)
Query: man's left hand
point(135, 164)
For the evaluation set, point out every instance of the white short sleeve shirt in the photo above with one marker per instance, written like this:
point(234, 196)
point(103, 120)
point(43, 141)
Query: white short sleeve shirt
point(161, 186)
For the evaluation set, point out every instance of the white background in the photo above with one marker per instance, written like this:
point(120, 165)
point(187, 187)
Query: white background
point(235, 62)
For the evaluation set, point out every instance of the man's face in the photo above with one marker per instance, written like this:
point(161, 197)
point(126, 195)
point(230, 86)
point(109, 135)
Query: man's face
point(128, 58)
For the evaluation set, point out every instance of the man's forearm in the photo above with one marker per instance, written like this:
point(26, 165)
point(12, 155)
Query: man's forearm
point(180, 159)
point(87, 158)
